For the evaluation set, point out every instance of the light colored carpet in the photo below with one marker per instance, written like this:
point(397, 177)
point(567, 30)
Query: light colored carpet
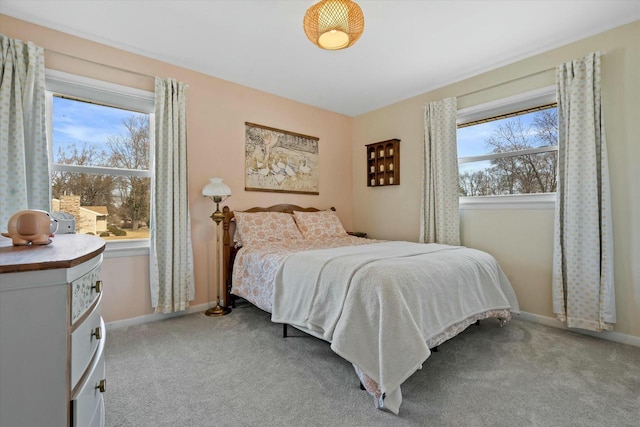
point(238, 371)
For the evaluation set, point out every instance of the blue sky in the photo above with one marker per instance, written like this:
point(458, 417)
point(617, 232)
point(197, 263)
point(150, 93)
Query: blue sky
point(471, 143)
point(471, 139)
point(80, 123)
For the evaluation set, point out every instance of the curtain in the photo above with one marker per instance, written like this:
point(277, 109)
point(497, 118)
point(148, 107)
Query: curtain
point(24, 158)
point(439, 215)
point(171, 257)
point(582, 286)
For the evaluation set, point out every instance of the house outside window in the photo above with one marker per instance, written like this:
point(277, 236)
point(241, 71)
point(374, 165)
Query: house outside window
point(508, 150)
point(100, 143)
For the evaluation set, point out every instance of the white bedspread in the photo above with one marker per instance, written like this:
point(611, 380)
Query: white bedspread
point(379, 304)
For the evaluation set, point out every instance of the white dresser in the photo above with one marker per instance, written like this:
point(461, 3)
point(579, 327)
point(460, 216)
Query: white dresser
point(51, 333)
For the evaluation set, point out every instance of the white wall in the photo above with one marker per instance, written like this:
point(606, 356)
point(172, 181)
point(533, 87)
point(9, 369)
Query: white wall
point(521, 240)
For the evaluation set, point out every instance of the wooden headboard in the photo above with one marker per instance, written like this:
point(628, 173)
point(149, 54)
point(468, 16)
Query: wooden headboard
point(229, 251)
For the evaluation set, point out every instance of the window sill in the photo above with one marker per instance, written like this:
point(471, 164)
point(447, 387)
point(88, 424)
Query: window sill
point(126, 248)
point(543, 201)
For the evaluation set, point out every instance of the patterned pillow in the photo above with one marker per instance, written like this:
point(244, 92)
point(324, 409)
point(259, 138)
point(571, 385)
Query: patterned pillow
point(263, 227)
point(319, 225)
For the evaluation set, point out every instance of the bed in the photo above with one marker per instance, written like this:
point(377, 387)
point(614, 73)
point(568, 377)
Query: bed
point(382, 305)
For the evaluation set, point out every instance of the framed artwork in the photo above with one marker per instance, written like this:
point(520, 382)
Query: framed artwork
point(280, 161)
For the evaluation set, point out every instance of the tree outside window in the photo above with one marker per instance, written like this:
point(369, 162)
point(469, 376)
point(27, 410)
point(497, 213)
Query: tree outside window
point(510, 154)
point(100, 169)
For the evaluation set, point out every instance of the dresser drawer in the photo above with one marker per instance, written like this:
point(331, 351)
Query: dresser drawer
point(87, 405)
point(42, 288)
point(84, 290)
point(84, 342)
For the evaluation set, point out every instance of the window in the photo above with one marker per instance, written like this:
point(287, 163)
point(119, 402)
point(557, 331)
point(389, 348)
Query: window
point(100, 150)
point(508, 148)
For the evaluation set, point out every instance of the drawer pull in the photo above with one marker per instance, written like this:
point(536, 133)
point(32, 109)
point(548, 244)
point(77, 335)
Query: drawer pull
point(97, 333)
point(97, 286)
point(102, 386)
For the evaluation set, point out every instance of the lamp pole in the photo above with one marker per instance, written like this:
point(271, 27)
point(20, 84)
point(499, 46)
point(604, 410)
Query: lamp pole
point(217, 217)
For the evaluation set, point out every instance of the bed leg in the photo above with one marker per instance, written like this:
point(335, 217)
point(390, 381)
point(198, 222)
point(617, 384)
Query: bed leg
point(284, 330)
point(502, 321)
point(434, 349)
point(478, 322)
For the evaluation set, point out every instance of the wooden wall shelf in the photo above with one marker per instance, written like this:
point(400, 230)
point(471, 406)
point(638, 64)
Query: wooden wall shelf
point(383, 163)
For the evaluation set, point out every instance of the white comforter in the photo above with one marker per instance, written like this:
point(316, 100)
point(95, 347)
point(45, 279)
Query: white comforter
point(380, 304)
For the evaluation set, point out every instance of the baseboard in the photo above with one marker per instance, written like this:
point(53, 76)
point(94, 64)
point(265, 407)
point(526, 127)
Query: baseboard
point(605, 335)
point(530, 317)
point(154, 317)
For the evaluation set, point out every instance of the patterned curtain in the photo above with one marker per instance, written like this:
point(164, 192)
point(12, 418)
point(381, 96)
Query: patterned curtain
point(583, 291)
point(171, 257)
point(24, 158)
point(439, 215)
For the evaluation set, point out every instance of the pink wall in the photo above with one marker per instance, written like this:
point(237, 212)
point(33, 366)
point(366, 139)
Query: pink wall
point(217, 111)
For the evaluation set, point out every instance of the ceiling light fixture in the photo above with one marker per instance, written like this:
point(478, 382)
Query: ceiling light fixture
point(334, 24)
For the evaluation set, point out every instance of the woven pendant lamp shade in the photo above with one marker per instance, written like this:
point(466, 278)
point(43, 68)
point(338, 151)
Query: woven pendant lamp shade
point(334, 24)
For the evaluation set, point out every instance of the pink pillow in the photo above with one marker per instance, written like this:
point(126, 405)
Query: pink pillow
point(264, 227)
point(319, 225)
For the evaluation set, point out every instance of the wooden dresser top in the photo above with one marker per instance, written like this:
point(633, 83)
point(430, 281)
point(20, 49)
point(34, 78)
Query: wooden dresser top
point(65, 251)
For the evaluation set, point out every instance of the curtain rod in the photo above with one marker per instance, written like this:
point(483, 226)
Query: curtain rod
point(99, 63)
point(546, 70)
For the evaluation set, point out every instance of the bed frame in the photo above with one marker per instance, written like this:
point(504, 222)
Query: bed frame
point(229, 248)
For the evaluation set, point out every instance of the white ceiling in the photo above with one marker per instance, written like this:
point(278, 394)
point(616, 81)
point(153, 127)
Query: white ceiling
point(408, 47)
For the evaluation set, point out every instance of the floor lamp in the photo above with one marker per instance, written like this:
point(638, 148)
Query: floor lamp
point(217, 191)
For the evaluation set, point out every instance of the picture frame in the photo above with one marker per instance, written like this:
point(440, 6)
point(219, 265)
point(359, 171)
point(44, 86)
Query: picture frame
point(280, 161)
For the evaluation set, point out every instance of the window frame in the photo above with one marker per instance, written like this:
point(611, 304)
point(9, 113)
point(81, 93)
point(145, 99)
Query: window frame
point(519, 102)
point(113, 95)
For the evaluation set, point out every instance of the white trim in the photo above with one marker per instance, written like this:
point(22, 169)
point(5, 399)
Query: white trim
point(101, 170)
point(522, 101)
point(89, 89)
point(503, 155)
point(544, 201)
point(529, 317)
point(126, 248)
point(606, 335)
point(125, 323)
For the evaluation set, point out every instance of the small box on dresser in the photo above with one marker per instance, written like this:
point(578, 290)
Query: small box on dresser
point(51, 333)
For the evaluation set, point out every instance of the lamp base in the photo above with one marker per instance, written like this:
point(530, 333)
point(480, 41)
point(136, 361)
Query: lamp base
point(218, 310)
